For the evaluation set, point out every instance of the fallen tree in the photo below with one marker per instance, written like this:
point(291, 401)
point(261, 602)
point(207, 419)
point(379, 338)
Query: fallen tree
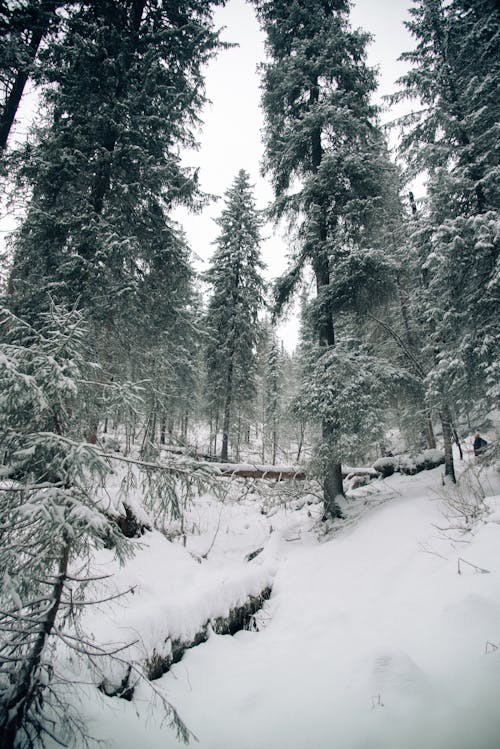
point(281, 472)
point(157, 663)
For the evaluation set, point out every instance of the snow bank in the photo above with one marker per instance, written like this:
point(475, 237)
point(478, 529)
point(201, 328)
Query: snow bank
point(173, 597)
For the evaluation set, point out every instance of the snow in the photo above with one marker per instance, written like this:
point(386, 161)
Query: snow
point(371, 640)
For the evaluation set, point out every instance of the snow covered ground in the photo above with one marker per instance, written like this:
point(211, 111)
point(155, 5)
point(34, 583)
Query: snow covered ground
point(371, 639)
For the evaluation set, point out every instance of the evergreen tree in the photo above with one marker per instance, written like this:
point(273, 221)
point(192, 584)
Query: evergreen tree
point(272, 391)
point(454, 75)
point(232, 315)
point(125, 87)
point(330, 173)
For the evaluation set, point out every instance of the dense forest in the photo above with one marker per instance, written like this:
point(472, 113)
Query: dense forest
point(115, 351)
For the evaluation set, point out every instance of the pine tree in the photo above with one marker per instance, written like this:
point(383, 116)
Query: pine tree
point(330, 172)
point(232, 315)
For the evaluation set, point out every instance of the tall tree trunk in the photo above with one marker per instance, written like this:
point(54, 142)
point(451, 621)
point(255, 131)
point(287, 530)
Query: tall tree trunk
point(449, 468)
point(332, 480)
point(46, 14)
point(227, 410)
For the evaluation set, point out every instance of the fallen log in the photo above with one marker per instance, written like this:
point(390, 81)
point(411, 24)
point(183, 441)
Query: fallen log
point(157, 664)
point(259, 471)
point(281, 472)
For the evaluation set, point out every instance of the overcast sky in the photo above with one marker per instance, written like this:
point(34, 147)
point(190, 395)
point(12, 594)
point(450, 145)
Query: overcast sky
point(231, 137)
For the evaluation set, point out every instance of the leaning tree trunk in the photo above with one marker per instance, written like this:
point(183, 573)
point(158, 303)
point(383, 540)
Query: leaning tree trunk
point(27, 690)
point(46, 15)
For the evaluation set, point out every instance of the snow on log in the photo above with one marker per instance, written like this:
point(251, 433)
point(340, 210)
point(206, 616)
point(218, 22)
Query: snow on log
point(175, 603)
point(281, 472)
point(259, 471)
point(408, 464)
point(238, 618)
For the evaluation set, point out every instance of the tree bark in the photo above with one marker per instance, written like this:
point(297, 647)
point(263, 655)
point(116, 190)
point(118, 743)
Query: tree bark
point(227, 411)
point(8, 115)
point(26, 690)
point(429, 431)
point(332, 480)
point(449, 468)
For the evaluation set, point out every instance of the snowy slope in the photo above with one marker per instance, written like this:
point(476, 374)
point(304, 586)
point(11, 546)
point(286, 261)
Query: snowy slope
point(372, 639)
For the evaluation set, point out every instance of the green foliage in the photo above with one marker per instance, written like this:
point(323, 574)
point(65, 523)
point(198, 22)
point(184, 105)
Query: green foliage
point(333, 179)
point(48, 513)
point(351, 390)
point(124, 88)
point(236, 299)
point(454, 76)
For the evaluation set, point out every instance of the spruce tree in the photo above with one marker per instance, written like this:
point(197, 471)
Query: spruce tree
point(124, 90)
point(232, 316)
point(454, 77)
point(330, 171)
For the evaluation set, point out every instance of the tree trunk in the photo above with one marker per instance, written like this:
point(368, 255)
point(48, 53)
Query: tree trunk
point(457, 441)
point(332, 483)
point(47, 12)
point(227, 411)
point(332, 480)
point(449, 468)
point(27, 688)
point(429, 431)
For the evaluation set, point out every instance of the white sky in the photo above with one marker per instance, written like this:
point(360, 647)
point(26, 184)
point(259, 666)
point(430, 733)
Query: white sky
point(231, 136)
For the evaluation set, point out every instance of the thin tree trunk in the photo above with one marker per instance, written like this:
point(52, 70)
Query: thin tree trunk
point(238, 438)
point(25, 692)
point(457, 441)
point(227, 411)
point(301, 441)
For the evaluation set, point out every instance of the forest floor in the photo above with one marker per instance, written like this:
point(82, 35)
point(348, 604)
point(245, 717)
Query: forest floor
point(378, 635)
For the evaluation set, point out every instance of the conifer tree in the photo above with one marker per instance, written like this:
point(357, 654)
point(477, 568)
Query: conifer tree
point(51, 519)
point(454, 76)
point(330, 173)
point(272, 391)
point(232, 316)
point(125, 88)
